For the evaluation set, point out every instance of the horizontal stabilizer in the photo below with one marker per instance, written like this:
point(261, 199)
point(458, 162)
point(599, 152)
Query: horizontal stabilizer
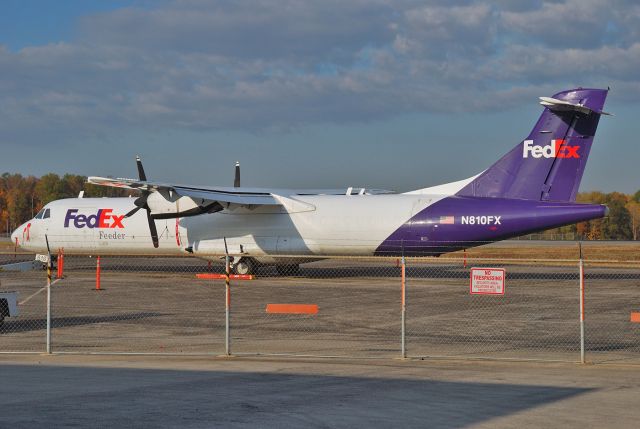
point(561, 105)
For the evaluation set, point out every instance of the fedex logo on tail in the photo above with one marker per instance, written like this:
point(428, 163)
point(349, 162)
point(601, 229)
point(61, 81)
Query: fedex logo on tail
point(102, 219)
point(556, 149)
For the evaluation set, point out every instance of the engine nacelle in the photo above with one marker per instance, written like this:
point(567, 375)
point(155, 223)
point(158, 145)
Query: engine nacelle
point(161, 207)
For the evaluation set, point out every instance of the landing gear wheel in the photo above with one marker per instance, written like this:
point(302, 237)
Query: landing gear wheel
point(288, 270)
point(244, 266)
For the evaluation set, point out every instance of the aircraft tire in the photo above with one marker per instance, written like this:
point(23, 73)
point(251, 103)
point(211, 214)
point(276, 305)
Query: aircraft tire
point(244, 266)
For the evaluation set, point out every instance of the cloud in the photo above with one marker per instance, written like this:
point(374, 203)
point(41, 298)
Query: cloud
point(288, 29)
point(571, 23)
point(443, 31)
point(266, 64)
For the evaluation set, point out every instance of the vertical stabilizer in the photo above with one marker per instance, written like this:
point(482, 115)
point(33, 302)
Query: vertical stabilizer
point(548, 165)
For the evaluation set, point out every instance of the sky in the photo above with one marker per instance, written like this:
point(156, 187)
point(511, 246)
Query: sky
point(387, 94)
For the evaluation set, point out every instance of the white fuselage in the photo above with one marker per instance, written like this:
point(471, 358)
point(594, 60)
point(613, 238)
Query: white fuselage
point(338, 225)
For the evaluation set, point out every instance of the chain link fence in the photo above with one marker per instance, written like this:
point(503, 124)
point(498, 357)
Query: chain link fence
point(357, 302)
point(612, 312)
point(330, 307)
point(25, 333)
point(537, 317)
point(143, 305)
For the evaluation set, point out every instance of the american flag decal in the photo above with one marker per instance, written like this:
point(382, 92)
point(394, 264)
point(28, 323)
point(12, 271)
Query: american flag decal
point(447, 220)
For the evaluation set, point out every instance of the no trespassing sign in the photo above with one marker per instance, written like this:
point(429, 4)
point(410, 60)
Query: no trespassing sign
point(487, 281)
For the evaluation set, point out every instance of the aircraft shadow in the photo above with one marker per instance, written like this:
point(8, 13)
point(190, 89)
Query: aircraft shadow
point(26, 325)
point(442, 272)
point(381, 270)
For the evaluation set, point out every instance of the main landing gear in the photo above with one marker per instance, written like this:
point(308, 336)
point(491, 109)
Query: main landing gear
point(244, 266)
point(249, 266)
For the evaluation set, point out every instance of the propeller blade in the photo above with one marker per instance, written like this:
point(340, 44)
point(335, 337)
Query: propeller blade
point(132, 212)
point(140, 202)
point(141, 174)
point(236, 181)
point(152, 229)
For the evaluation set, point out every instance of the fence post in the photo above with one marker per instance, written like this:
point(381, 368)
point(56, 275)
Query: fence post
point(58, 273)
point(49, 263)
point(404, 308)
point(61, 262)
point(227, 307)
point(98, 272)
point(581, 274)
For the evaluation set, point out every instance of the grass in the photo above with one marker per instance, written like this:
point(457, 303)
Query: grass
point(592, 251)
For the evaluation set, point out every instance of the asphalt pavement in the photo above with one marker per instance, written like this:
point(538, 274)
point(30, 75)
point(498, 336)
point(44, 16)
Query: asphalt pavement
point(193, 392)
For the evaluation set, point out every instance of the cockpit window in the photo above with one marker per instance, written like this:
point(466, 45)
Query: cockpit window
point(47, 214)
point(40, 214)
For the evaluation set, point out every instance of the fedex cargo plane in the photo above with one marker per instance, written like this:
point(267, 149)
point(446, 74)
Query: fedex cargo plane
point(531, 188)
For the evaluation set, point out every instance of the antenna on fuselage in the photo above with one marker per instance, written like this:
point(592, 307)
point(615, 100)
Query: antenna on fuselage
point(236, 180)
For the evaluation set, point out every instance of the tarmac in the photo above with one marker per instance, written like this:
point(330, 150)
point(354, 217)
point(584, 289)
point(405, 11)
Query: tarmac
point(157, 305)
point(157, 308)
point(195, 392)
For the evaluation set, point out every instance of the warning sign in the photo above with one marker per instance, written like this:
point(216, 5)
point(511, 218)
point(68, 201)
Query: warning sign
point(487, 281)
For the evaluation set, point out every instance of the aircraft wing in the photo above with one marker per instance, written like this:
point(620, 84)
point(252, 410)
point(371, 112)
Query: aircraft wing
point(206, 199)
point(227, 194)
point(242, 196)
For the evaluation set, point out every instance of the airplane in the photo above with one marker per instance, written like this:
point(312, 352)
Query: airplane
point(530, 189)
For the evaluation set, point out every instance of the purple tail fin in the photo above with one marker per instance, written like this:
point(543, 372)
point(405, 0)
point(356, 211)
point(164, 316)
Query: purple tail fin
point(549, 164)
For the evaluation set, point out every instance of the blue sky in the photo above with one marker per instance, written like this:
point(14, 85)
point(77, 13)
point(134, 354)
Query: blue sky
point(26, 23)
point(396, 95)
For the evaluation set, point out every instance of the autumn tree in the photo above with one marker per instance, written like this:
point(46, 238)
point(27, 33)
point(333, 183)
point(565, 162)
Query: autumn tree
point(591, 229)
point(633, 207)
point(49, 188)
point(617, 225)
point(17, 198)
point(72, 185)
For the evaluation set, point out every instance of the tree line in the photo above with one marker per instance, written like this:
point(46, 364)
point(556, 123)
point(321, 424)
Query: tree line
point(21, 197)
point(622, 223)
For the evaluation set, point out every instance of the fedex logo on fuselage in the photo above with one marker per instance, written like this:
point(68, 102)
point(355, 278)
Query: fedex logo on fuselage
point(556, 149)
point(102, 219)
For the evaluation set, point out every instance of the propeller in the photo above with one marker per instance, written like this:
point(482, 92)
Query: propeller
point(141, 203)
point(236, 181)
